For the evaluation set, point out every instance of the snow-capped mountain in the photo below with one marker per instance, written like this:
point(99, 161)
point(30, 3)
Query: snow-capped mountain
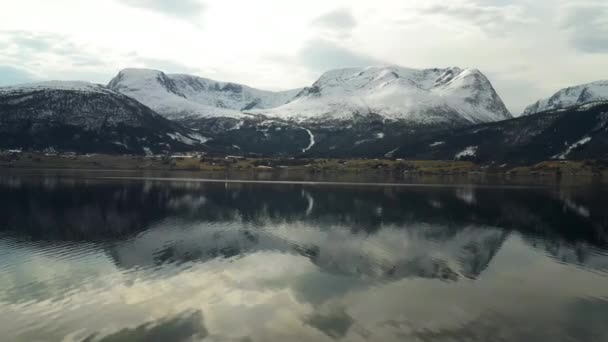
point(430, 96)
point(178, 96)
point(361, 112)
point(387, 111)
point(572, 96)
point(80, 116)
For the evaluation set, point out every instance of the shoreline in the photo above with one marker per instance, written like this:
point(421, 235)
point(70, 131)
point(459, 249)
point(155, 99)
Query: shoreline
point(332, 167)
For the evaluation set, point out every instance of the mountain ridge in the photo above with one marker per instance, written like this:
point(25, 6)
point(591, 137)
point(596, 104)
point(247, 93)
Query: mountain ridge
point(571, 96)
point(379, 111)
point(575, 133)
point(179, 96)
point(426, 96)
point(86, 117)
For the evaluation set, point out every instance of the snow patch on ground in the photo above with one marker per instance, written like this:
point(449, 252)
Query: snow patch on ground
point(120, 143)
point(359, 142)
point(199, 137)
point(589, 106)
point(437, 143)
point(570, 148)
point(470, 151)
point(239, 125)
point(312, 141)
point(380, 136)
point(181, 138)
point(389, 154)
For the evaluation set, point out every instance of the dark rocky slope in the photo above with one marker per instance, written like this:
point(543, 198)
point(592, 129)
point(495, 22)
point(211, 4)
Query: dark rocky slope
point(83, 117)
point(576, 133)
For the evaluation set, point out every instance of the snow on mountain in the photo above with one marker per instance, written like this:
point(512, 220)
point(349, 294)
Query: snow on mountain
point(81, 116)
point(572, 96)
point(178, 95)
point(56, 85)
point(401, 94)
point(83, 104)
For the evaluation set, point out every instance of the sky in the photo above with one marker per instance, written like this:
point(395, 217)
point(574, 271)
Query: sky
point(529, 49)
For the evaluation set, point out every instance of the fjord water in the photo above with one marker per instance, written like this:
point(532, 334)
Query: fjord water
point(91, 259)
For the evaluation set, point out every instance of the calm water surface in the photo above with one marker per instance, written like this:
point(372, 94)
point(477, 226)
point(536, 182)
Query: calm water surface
point(89, 259)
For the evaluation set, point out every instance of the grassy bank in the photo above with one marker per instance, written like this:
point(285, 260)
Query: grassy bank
point(206, 164)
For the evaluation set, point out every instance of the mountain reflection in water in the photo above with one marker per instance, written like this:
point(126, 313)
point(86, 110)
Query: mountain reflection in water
point(127, 260)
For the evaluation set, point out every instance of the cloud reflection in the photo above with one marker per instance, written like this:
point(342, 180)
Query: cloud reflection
point(129, 260)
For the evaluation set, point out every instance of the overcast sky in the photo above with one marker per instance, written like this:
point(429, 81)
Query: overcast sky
point(528, 48)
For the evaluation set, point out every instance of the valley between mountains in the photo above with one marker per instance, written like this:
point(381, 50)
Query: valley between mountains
point(387, 112)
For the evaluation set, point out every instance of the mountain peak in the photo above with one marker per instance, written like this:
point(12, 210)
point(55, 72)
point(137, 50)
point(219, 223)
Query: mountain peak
point(181, 95)
point(132, 78)
point(132, 74)
point(398, 93)
point(374, 75)
point(139, 71)
point(572, 96)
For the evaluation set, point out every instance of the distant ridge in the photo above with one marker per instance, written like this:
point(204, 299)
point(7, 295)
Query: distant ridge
point(571, 96)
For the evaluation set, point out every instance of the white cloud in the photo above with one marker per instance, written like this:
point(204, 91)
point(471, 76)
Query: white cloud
point(322, 55)
point(586, 24)
point(341, 21)
point(187, 9)
point(496, 20)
